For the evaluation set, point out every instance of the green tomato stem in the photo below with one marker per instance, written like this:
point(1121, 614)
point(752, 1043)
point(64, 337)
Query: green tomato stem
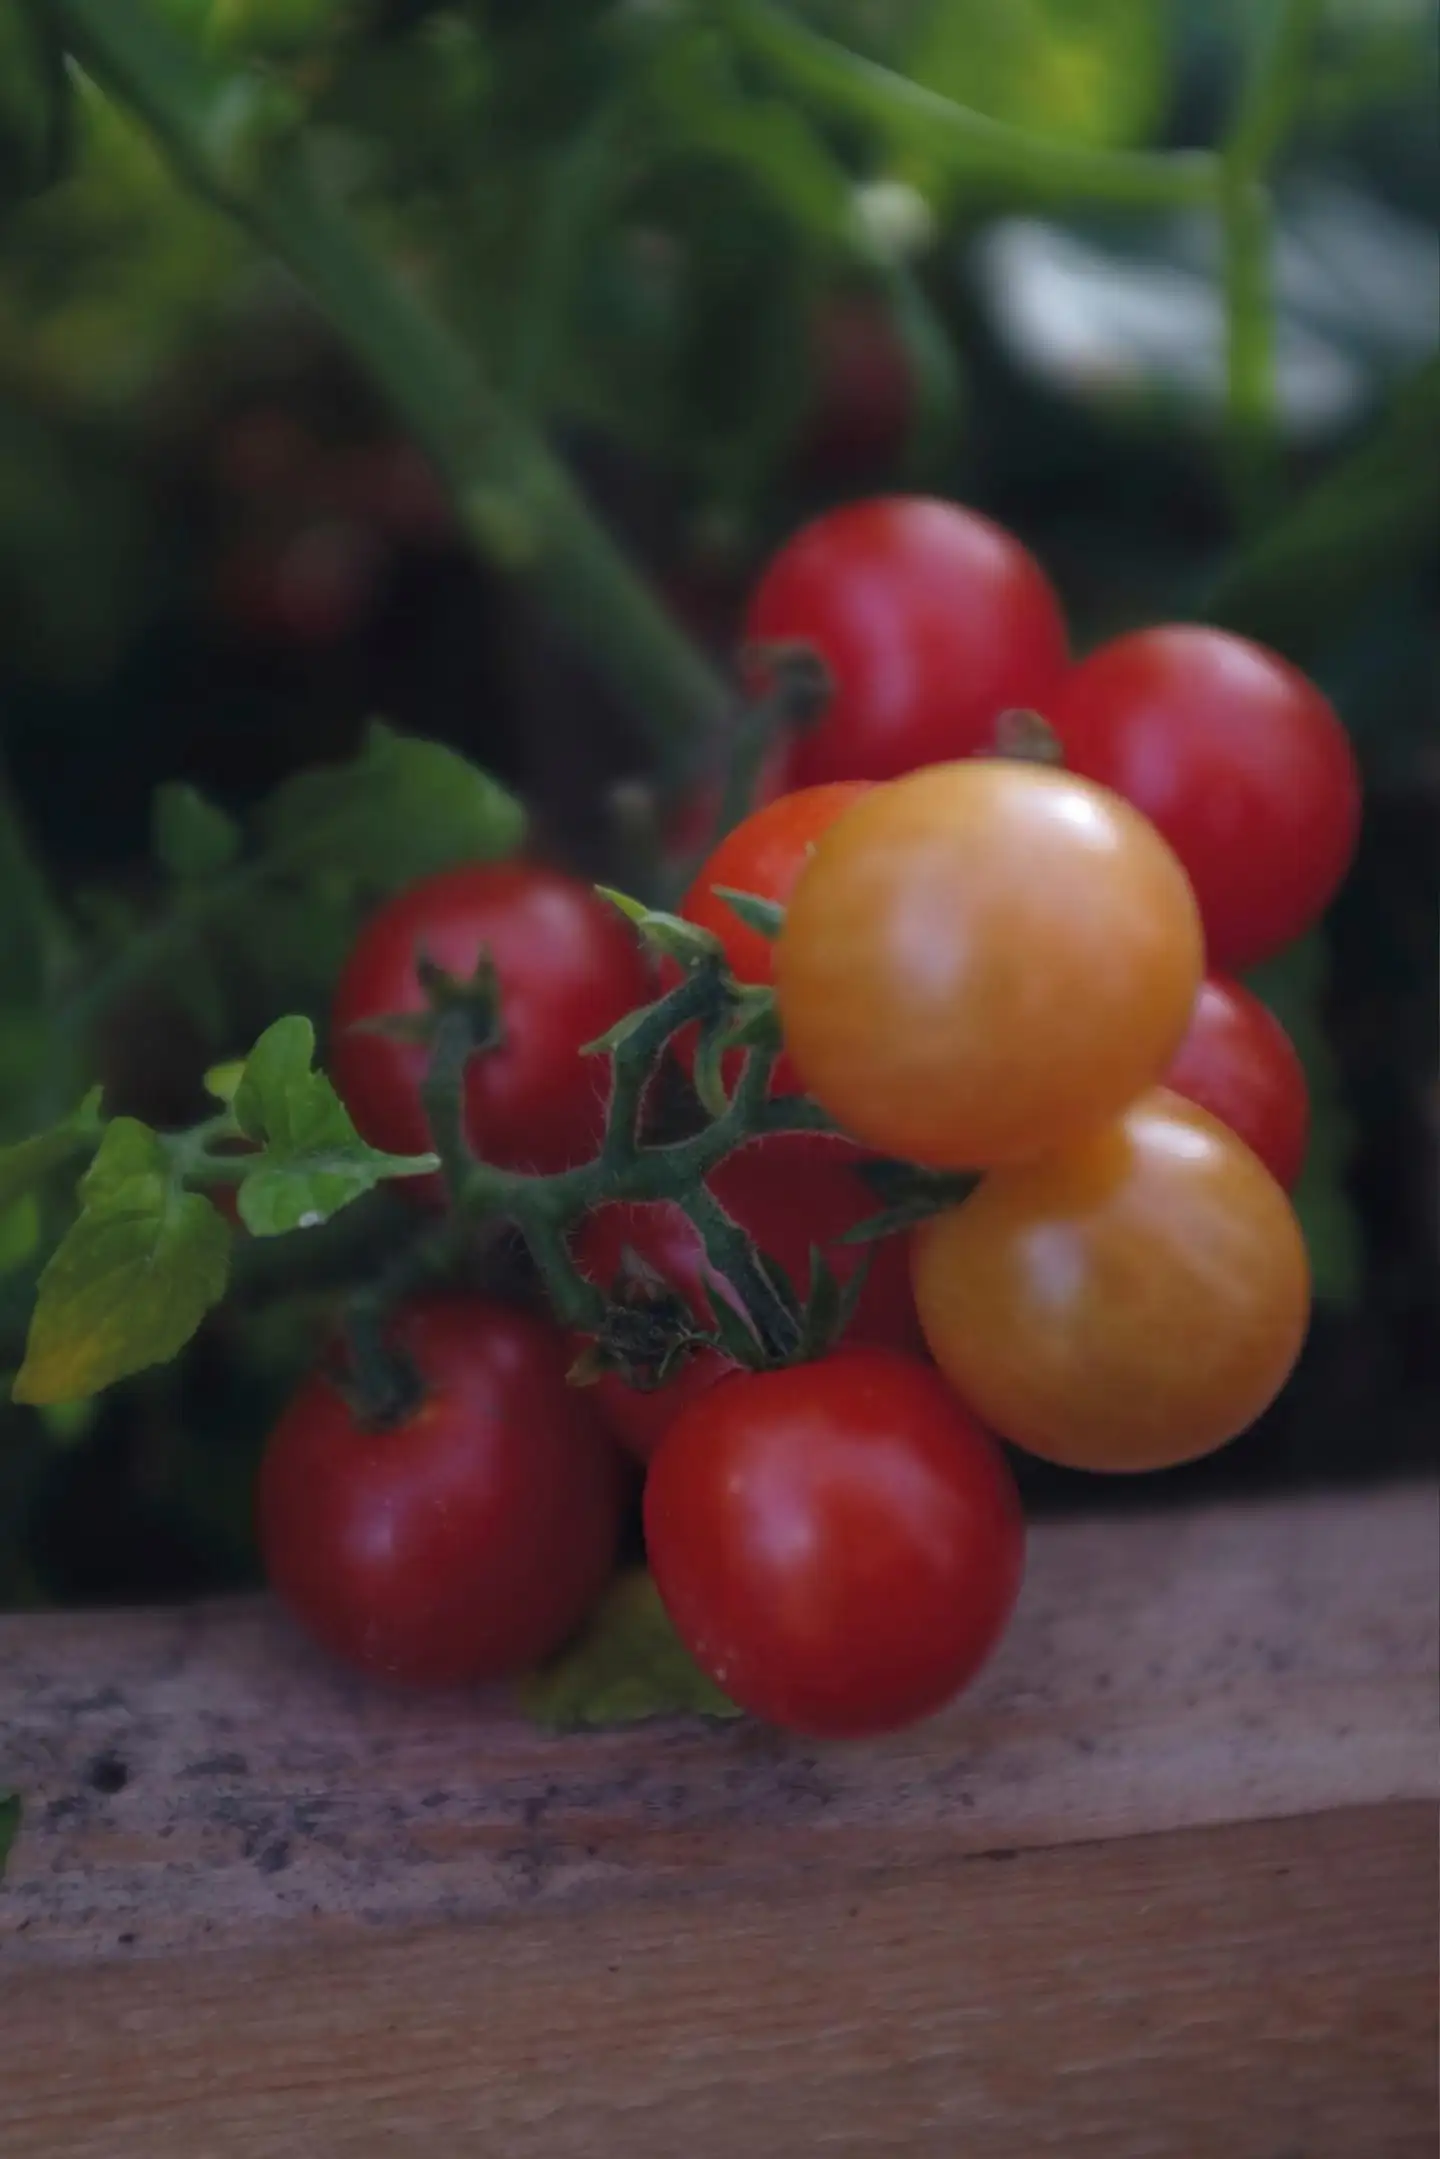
point(1269, 93)
point(1029, 168)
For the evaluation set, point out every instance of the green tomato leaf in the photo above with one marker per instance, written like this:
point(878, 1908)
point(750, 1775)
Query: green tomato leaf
point(765, 916)
point(19, 1233)
point(133, 1278)
point(222, 1080)
point(400, 810)
point(277, 1096)
point(670, 935)
point(29, 1161)
point(192, 839)
point(626, 1665)
point(1082, 71)
point(831, 1304)
point(312, 1161)
point(130, 1167)
point(11, 1813)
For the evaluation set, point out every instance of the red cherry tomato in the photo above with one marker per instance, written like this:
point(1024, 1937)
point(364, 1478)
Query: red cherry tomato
point(464, 1542)
point(1238, 759)
point(764, 855)
point(839, 1544)
point(389, 484)
point(793, 1193)
point(568, 968)
point(1238, 1062)
point(864, 390)
point(311, 588)
point(931, 621)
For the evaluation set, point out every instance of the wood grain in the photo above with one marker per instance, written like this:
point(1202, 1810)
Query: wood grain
point(1258, 1992)
point(1163, 1884)
point(202, 1775)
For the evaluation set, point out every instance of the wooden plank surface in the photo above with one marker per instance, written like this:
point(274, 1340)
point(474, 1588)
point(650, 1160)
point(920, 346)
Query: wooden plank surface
point(1264, 1991)
point(1163, 1884)
point(203, 1776)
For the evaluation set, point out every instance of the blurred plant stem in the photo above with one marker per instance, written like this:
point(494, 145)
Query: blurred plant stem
point(1269, 92)
point(30, 906)
point(1028, 168)
point(240, 141)
point(1251, 448)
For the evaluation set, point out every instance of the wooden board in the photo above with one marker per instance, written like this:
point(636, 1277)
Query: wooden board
point(1164, 1882)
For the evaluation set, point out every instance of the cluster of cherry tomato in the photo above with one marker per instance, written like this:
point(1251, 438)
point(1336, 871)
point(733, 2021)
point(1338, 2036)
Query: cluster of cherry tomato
point(1004, 967)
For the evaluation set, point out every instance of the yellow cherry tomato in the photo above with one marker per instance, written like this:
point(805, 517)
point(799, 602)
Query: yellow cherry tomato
point(1129, 1302)
point(983, 960)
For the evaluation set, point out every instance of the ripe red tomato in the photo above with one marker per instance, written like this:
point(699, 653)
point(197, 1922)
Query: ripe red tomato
point(309, 589)
point(793, 1192)
point(931, 621)
point(839, 1544)
point(568, 968)
point(863, 390)
point(1238, 1062)
point(1128, 1302)
point(764, 855)
point(983, 959)
point(1237, 758)
point(465, 1541)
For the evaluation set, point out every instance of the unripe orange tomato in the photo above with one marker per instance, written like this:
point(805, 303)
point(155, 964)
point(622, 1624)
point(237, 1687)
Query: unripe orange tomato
point(1127, 1303)
point(983, 960)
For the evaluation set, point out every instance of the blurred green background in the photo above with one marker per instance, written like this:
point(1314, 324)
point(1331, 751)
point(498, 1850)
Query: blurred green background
point(735, 274)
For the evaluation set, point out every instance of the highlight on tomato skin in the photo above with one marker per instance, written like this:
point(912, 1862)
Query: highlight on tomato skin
point(1129, 1302)
point(930, 621)
point(983, 959)
point(1238, 759)
point(1238, 1062)
point(839, 1544)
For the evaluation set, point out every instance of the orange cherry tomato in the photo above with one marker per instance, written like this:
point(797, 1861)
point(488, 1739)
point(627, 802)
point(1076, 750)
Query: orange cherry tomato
point(1128, 1303)
point(984, 959)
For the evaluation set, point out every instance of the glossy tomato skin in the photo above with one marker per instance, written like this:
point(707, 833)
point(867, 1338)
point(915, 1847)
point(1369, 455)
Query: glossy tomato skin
point(1238, 1063)
point(839, 1544)
point(464, 1542)
point(983, 959)
point(1128, 1303)
point(931, 621)
point(568, 968)
point(1239, 760)
point(765, 855)
point(793, 1192)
